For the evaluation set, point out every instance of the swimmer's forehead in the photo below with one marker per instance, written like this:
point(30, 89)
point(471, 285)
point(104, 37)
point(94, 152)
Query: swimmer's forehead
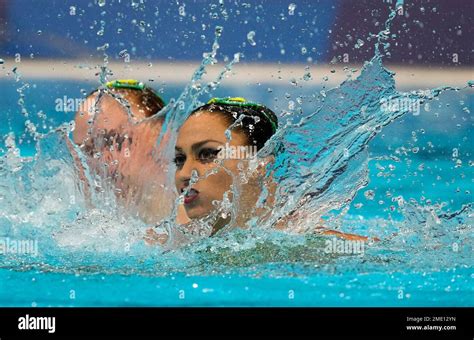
point(203, 126)
point(107, 102)
point(131, 96)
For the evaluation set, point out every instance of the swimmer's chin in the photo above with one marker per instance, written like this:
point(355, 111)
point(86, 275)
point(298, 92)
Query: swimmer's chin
point(196, 212)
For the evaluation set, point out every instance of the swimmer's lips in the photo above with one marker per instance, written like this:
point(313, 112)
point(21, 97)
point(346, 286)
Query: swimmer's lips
point(190, 196)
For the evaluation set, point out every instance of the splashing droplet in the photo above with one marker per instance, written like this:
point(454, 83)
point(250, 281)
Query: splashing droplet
point(369, 194)
point(359, 43)
point(251, 38)
point(291, 9)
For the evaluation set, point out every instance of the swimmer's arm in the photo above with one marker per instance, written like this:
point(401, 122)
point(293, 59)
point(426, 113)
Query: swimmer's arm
point(346, 236)
point(321, 229)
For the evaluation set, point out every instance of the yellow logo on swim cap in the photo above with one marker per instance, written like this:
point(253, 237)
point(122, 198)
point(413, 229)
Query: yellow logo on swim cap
point(228, 100)
point(126, 84)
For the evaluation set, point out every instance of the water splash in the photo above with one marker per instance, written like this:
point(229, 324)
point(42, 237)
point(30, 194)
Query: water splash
point(320, 163)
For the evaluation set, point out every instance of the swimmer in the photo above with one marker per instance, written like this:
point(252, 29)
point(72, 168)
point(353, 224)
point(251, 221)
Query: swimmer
point(105, 132)
point(200, 142)
point(119, 147)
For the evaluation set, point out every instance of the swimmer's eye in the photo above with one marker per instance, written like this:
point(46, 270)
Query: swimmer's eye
point(208, 155)
point(179, 160)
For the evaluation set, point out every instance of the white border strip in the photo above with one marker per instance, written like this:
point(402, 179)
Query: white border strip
point(178, 73)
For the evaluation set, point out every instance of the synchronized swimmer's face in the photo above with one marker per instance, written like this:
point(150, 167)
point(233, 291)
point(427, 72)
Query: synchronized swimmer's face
point(123, 148)
point(107, 115)
point(199, 140)
point(116, 144)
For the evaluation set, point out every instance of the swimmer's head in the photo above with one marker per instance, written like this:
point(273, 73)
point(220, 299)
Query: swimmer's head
point(109, 114)
point(144, 101)
point(256, 121)
point(202, 137)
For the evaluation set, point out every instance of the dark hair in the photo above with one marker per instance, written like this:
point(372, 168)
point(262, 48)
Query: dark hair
point(146, 96)
point(149, 98)
point(258, 123)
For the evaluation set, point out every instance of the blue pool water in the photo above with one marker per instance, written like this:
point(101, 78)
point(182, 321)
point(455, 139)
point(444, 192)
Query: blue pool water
point(319, 288)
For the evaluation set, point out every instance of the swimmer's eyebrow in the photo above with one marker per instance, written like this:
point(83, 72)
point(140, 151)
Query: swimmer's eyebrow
point(198, 145)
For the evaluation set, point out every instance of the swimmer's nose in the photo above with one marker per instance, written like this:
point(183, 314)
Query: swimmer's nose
point(186, 171)
point(185, 184)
